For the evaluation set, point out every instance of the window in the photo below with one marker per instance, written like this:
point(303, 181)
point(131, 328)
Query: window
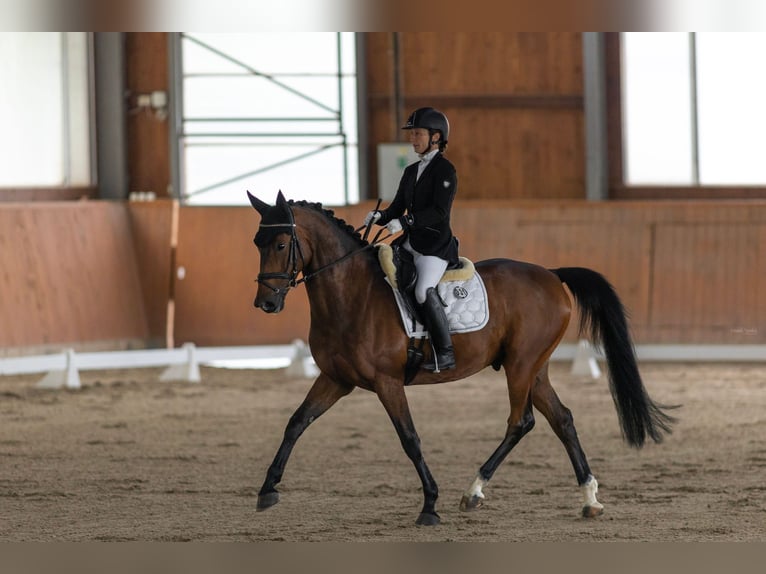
point(45, 133)
point(267, 112)
point(693, 110)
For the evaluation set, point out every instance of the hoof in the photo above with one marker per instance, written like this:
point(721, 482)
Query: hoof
point(593, 510)
point(427, 519)
point(267, 501)
point(469, 503)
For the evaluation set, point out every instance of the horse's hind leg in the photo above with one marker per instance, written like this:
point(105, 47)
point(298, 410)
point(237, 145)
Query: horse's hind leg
point(520, 422)
point(560, 418)
point(323, 394)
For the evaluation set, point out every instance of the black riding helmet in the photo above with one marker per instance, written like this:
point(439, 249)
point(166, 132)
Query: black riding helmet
point(430, 119)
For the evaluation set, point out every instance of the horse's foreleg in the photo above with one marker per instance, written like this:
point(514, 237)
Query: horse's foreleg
point(323, 394)
point(394, 400)
point(560, 418)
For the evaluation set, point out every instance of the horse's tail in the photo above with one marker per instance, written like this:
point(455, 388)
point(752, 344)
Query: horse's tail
point(604, 318)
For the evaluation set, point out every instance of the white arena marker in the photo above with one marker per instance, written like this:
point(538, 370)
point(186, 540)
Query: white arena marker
point(585, 361)
point(69, 377)
point(302, 365)
point(186, 371)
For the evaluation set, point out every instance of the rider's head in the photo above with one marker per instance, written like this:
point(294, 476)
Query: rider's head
point(432, 120)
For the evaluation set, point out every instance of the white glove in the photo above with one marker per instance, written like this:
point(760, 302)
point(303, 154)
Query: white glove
point(372, 216)
point(394, 226)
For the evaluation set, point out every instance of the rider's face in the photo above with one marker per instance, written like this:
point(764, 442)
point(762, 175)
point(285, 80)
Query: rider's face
point(421, 140)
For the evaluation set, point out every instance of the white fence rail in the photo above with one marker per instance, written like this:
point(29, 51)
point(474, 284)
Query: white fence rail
point(63, 369)
point(679, 353)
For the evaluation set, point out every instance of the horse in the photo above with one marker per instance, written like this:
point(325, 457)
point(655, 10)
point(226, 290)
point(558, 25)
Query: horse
point(357, 340)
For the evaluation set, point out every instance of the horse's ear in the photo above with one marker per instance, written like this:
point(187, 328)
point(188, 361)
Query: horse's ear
point(281, 201)
point(260, 206)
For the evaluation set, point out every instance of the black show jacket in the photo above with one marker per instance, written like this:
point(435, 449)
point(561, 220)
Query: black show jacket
point(428, 203)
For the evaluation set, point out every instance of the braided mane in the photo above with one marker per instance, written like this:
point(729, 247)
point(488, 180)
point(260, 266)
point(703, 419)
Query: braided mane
point(330, 214)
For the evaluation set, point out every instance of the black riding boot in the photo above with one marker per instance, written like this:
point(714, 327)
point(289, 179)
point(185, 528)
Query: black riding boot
point(438, 329)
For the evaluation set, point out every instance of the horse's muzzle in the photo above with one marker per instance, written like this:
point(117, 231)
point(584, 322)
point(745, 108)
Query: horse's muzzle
point(269, 306)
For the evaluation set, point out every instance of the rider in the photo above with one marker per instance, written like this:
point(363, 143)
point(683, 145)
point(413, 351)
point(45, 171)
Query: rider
point(421, 208)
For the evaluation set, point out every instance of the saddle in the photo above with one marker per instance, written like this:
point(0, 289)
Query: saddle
point(398, 265)
point(461, 291)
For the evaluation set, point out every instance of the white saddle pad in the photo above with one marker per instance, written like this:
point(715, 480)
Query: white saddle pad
point(467, 309)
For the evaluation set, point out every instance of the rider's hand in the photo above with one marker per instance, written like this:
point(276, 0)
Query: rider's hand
point(373, 216)
point(394, 226)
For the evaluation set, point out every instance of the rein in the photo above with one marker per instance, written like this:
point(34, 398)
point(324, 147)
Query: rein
point(346, 256)
point(292, 275)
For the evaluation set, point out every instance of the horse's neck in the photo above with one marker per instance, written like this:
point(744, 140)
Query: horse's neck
point(328, 251)
point(341, 277)
point(338, 274)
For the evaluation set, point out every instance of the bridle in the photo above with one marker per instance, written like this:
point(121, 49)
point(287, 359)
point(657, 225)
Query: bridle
point(291, 274)
point(288, 274)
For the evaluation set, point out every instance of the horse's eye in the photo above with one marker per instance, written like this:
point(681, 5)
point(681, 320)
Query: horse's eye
point(281, 246)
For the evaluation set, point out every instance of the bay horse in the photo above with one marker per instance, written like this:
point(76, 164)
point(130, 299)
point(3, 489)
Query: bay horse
point(357, 340)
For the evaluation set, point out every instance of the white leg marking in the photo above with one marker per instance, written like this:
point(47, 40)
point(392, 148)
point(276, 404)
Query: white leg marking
point(475, 489)
point(589, 490)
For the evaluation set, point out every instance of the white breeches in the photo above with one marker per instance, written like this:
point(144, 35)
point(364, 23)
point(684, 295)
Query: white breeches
point(430, 271)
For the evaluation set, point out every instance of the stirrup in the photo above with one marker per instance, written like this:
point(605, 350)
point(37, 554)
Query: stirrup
point(436, 366)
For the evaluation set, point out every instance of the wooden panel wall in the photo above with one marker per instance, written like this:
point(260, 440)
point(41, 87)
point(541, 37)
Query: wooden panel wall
point(715, 285)
point(94, 274)
point(68, 276)
point(146, 55)
point(214, 300)
point(514, 101)
point(688, 273)
point(154, 229)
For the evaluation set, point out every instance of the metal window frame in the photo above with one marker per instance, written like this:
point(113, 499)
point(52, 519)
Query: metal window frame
point(178, 135)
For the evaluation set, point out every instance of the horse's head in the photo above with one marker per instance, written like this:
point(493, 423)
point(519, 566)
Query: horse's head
point(280, 251)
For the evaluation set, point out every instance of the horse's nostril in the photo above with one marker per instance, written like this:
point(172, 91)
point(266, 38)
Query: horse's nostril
point(267, 306)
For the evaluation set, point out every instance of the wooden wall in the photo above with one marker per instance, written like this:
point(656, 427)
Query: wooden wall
point(688, 273)
point(214, 300)
point(514, 101)
point(154, 230)
point(94, 274)
point(147, 71)
point(68, 277)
